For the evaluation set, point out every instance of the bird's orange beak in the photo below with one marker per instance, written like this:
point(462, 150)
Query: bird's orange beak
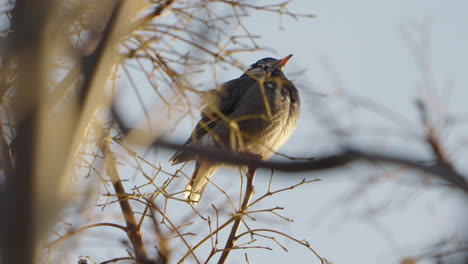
point(281, 63)
point(284, 60)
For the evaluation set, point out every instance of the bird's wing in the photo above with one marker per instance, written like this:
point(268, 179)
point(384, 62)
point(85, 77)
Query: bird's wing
point(223, 103)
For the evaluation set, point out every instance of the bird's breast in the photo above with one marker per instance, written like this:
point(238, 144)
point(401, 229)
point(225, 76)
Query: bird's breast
point(284, 106)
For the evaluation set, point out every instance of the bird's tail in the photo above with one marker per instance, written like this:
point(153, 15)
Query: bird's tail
point(204, 170)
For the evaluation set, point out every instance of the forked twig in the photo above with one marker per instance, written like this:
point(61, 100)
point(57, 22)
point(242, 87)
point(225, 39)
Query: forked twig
point(133, 231)
point(301, 242)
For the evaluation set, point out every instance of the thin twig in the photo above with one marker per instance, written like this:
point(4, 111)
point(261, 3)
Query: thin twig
point(74, 232)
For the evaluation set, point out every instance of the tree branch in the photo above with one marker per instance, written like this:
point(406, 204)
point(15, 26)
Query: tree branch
point(249, 191)
point(133, 232)
point(347, 155)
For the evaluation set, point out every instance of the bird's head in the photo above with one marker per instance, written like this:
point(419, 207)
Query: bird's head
point(271, 66)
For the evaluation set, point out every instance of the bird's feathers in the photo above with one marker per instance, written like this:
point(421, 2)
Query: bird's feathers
point(204, 170)
point(255, 113)
point(225, 101)
point(262, 131)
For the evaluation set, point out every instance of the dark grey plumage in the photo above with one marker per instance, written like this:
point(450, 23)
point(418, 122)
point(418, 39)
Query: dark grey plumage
point(255, 113)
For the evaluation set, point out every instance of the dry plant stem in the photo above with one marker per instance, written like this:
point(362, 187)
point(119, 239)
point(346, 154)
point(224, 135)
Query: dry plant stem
point(133, 232)
point(249, 191)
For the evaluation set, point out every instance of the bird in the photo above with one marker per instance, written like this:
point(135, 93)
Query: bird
point(254, 114)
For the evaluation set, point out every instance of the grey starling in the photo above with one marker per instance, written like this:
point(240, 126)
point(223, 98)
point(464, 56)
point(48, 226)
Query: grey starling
point(255, 114)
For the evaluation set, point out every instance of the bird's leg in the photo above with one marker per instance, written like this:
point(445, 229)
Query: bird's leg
point(249, 190)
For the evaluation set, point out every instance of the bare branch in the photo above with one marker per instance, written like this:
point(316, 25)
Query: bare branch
point(133, 232)
point(348, 155)
point(232, 239)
